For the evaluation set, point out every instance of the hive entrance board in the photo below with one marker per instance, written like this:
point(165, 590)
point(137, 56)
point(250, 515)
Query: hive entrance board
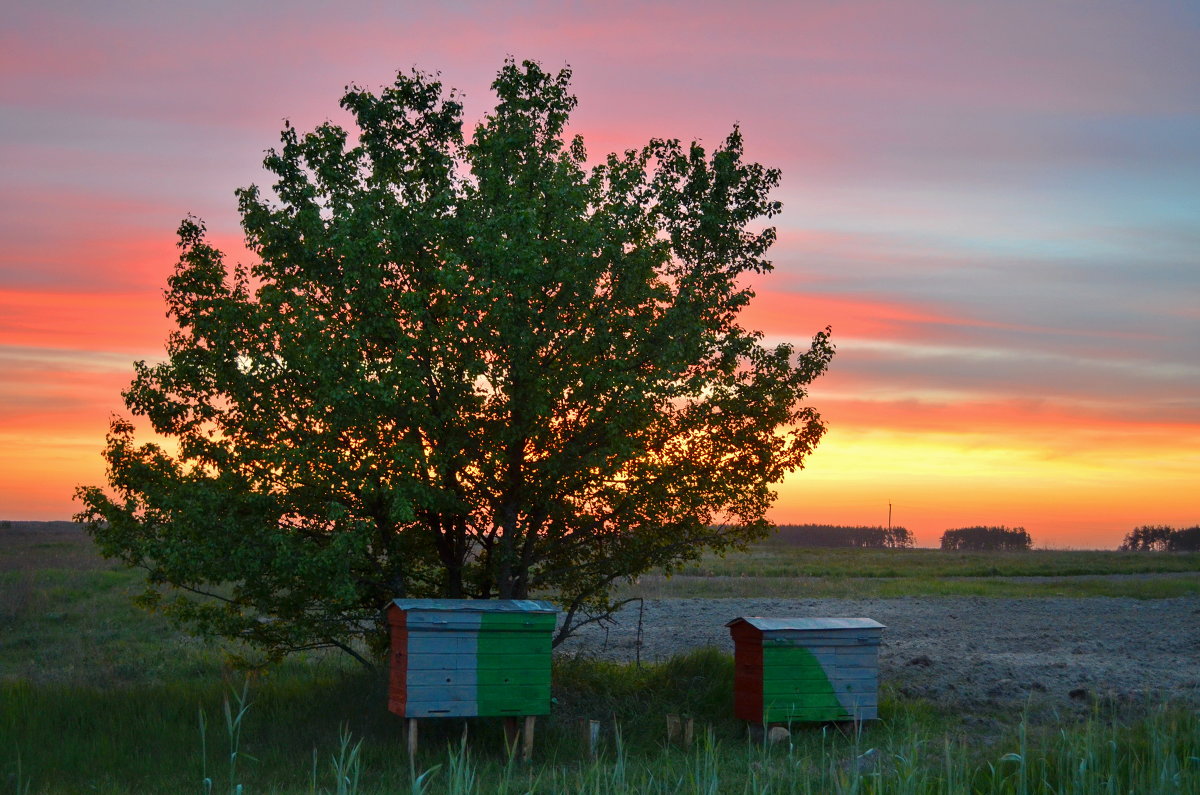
point(805, 669)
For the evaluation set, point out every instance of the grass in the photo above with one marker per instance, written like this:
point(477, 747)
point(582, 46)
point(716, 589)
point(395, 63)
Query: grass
point(1094, 757)
point(96, 696)
point(77, 627)
point(768, 560)
point(746, 587)
point(774, 571)
point(303, 732)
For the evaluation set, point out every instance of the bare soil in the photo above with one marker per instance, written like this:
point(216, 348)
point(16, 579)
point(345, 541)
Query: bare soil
point(971, 652)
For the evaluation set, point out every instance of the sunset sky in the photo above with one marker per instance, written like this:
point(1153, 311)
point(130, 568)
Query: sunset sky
point(995, 205)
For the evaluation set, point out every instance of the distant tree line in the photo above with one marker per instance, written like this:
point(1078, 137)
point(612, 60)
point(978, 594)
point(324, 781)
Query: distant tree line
point(826, 535)
point(29, 525)
point(1161, 538)
point(986, 539)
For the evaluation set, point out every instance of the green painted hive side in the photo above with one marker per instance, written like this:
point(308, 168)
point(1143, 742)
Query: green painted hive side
point(795, 687)
point(514, 663)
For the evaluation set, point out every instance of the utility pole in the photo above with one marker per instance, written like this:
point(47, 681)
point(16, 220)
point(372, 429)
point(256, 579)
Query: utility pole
point(889, 516)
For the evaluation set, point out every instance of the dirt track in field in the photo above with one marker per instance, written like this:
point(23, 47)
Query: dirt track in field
point(969, 651)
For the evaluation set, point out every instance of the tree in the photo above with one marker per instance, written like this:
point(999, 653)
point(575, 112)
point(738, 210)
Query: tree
point(820, 535)
point(987, 538)
point(1185, 539)
point(460, 368)
point(1147, 538)
point(897, 537)
point(1161, 538)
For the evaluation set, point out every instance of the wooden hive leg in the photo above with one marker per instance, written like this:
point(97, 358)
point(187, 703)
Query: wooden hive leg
point(412, 738)
point(527, 746)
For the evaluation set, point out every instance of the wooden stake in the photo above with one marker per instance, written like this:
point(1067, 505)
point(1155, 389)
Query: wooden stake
point(688, 725)
point(672, 728)
point(527, 747)
point(412, 738)
point(593, 737)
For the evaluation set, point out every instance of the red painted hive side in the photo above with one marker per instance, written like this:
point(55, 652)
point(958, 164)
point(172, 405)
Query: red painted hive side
point(747, 672)
point(398, 683)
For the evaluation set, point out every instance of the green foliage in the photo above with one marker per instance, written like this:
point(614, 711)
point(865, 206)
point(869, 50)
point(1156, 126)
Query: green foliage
point(460, 368)
point(987, 538)
point(1161, 538)
point(638, 697)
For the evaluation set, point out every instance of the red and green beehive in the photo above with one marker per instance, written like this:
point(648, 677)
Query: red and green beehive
point(790, 670)
point(470, 657)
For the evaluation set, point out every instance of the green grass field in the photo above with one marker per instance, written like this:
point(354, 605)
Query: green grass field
point(789, 572)
point(96, 696)
point(691, 586)
point(768, 560)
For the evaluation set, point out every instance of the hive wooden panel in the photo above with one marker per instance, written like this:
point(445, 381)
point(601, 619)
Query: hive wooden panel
point(805, 669)
point(468, 658)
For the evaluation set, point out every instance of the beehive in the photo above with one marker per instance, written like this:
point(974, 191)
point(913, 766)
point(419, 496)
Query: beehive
point(789, 670)
point(468, 657)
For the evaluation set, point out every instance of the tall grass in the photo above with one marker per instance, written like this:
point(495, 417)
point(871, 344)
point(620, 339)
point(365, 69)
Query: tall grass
point(292, 733)
point(235, 714)
point(1160, 754)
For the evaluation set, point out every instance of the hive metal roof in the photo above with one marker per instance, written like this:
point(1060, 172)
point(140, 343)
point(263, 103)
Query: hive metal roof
point(775, 624)
point(477, 605)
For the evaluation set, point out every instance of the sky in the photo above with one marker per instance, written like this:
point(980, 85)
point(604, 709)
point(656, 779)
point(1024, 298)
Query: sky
point(994, 205)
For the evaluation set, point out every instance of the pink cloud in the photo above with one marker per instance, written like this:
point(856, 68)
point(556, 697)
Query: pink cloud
point(955, 175)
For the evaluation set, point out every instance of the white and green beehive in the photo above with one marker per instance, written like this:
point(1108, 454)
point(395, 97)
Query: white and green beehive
point(470, 657)
point(789, 670)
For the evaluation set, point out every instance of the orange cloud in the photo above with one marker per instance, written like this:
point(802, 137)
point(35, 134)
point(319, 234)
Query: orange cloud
point(999, 235)
point(82, 321)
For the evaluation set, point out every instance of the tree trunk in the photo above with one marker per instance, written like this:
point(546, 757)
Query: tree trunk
point(443, 532)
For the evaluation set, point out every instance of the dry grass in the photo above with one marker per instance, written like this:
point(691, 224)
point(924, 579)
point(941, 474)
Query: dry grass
point(30, 546)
